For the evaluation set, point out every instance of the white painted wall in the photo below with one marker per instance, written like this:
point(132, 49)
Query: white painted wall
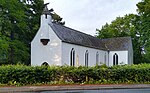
point(50, 53)
point(80, 52)
point(122, 57)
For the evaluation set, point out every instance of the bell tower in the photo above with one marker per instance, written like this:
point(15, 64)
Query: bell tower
point(46, 19)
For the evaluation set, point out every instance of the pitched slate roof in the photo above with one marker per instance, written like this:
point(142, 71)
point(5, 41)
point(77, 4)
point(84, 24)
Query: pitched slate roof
point(117, 44)
point(72, 36)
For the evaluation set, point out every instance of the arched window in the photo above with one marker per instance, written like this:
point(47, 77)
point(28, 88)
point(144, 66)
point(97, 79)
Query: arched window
point(72, 57)
point(45, 64)
point(105, 58)
point(115, 59)
point(86, 58)
point(97, 58)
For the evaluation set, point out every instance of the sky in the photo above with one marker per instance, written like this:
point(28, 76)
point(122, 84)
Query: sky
point(87, 15)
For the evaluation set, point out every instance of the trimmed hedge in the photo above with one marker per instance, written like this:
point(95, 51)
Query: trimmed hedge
point(28, 75)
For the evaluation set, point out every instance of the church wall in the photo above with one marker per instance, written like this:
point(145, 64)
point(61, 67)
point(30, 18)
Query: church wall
point(80, 55)
point(50, 53)
point(122, 57)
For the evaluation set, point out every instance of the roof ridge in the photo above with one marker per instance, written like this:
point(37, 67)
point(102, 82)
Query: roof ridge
point(77, 31)
point(116, 37)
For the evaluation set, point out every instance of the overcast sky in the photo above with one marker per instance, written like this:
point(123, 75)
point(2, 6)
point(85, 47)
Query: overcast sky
point(87, 15)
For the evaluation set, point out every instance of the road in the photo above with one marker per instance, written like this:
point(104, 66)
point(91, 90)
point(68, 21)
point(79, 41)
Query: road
point(102, 91)
point(114, 88)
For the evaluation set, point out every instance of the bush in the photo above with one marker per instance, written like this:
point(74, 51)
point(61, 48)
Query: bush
point(28, 75)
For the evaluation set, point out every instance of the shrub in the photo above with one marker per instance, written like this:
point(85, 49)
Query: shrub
point(28, 75)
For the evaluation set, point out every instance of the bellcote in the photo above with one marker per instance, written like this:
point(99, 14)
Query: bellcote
point(46, 15)
point(46, 19)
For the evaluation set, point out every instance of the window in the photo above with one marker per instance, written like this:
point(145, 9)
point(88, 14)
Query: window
point(46, 16)
point(105, 58)
point(97, 58)
point(72, 57)
point(86, 58)
point(45, 64)
point(115, 59)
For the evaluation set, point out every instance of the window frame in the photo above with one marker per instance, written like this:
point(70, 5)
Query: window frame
point(115, 59)
point(86, 58)
point(97, 58)
point(72, 57)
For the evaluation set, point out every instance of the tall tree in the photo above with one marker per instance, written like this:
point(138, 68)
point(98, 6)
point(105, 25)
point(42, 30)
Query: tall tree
point(12, 18)
point(121, 26)
point(144, 26)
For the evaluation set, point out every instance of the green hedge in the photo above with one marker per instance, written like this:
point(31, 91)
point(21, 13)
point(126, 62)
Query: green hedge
point(26, 75)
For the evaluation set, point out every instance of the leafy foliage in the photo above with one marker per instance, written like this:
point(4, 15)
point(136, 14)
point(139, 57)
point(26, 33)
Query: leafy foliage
point(144, 28)
point(25, 75)
point(57, 19)
point(122, 26)
point(16, 28)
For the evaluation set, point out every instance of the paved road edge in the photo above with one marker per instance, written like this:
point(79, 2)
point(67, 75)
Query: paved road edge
point(71, 87)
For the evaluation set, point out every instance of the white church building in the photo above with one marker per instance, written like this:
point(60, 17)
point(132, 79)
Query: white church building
point(59, 45)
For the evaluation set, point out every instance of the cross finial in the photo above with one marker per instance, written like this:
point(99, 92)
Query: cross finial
point(46, 11)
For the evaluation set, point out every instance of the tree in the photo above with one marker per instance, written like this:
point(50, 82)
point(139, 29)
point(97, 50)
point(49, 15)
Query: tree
point(144, 26)
point(11, 20)
point(3, 51)
point(57, 19)
point(121, 26)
